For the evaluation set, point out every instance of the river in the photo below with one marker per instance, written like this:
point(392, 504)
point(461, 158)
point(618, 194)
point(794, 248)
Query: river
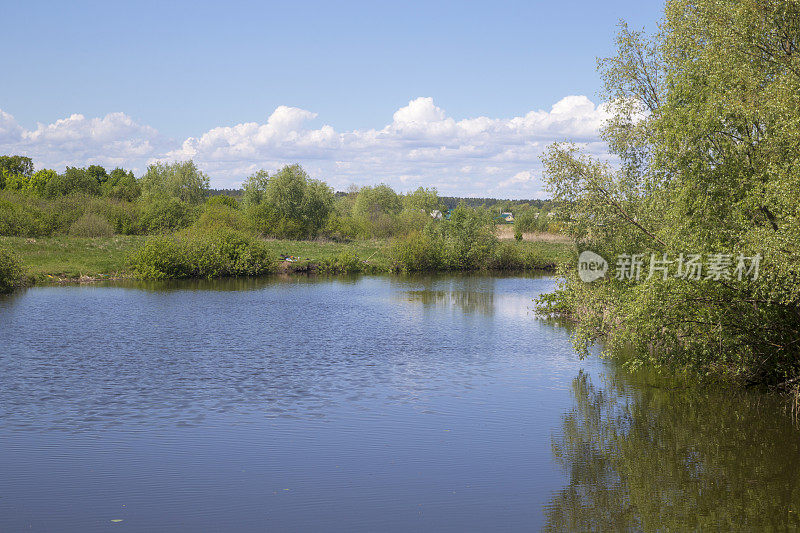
point(360, 404)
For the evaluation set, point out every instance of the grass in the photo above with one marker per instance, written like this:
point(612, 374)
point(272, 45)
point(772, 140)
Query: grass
point(505, 232)
point(550, 251)
point(70, 258)
point(66, 258)
point(313, 252)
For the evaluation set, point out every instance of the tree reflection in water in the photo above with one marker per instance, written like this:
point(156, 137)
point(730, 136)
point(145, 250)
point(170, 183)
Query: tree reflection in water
point(674, 459)
point(465, 301)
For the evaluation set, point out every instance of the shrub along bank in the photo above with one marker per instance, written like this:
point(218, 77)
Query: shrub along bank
point(65, 258)
point(10, 271)
point(219, 253)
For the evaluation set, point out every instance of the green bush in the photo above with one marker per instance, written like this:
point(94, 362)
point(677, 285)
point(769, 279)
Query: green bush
point(161, 257)
point(465, 242)
point(10, 272)
point(14, 164)
point(72, 181)
point(346, 262)
point(220, 253)
point(224, 252)
point(91, 225)
point(372, 201)
point(379, 225)
point(261, 218)
point(24, 215)
point(417, 252)
point(266, 220)
point(424, 200)
point(64, 211)
point(220, 215)
point(340, 227)
point(507, 256)
point(121, 185)
point(546, 256)
point(164, 215)
point(16, 182)
point(468, 238)
point(35, 184)
point(411, 220)
point(122, 215)
point(376, 211)
point(533, 221)
point(223, 200)
point(19, 218)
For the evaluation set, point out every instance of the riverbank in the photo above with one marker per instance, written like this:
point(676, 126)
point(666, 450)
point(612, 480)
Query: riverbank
point(65, 259)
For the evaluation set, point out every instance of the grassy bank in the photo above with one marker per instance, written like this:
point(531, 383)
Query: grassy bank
point(65, 258)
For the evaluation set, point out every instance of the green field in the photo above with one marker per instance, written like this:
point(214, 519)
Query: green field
point(64, 258)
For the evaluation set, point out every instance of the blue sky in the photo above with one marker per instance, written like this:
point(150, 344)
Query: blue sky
point(137, 82)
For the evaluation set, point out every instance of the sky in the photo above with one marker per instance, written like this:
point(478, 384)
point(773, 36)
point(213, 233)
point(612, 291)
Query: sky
point(463, 96)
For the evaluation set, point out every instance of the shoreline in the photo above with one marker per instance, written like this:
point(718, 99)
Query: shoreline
point(64, 260)
point(284, 269)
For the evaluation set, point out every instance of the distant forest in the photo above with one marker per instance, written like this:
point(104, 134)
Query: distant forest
point(450, 202)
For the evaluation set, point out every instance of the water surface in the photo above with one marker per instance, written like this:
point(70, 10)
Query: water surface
point(364, 404)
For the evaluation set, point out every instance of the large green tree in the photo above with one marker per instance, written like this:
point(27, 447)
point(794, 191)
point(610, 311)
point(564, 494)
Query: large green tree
point(255, 187)
point(289, 203)
point(706, 129)
point(11, 165)
point(181, 180)
point(74, 180)
point(98, 173)
point(376, 201)
point(39, 181)
point(122, 185)
point(423, 199)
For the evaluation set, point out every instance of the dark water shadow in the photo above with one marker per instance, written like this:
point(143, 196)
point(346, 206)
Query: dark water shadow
point(650, 455)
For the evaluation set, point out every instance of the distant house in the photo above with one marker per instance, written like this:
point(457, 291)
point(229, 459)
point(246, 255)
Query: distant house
point(436, 214)
point(507, 217)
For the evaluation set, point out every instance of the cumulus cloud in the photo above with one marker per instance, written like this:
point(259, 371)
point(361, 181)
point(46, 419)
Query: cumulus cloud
point(10, 131)
point(115, 139)
point(420, 146)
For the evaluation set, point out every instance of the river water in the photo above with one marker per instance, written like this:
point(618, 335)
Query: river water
point(363, 404)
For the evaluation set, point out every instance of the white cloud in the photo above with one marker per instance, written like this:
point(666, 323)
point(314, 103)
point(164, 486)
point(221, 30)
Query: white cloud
point(421, 146)
point(419, 111)
point(115, 139)
point(10, 131)
point(519, 178)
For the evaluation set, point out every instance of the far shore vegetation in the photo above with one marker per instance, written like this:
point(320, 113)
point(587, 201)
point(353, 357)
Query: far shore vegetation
point(91, 223)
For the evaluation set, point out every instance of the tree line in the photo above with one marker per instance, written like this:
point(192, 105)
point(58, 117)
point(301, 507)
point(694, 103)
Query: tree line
point(287, 203)
point(196, 233)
